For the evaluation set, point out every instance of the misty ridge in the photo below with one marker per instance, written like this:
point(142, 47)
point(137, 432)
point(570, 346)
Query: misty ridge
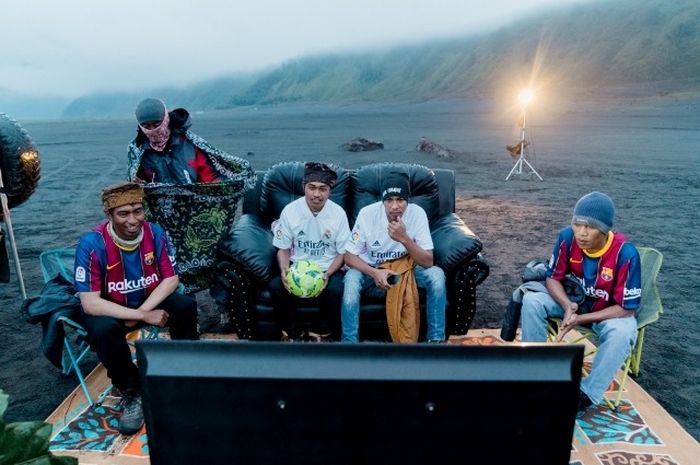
point(608, 48)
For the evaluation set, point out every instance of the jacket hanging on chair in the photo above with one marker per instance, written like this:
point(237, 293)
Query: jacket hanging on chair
point(57, 299)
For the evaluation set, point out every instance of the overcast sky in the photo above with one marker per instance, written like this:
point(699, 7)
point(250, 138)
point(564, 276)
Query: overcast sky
point(73, 47)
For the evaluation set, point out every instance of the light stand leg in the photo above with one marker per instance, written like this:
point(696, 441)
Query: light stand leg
point(518, 167)
point(10, 232)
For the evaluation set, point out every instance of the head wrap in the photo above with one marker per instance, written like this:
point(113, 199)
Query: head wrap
point(395, 184)
point(124, 193)
point(150, 110)
point(319, 172)
point(596, 210)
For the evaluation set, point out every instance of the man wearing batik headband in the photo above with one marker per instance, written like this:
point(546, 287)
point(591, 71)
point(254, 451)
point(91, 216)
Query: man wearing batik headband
point(125, 277)
point(386, 231)
point(165, 151)
point(608, 266)
point(311, 228)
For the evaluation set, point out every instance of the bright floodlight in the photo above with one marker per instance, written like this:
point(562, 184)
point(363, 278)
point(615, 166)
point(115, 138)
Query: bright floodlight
point(525, 96)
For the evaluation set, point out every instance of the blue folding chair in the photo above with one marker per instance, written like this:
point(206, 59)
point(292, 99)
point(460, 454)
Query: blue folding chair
point(60, 262)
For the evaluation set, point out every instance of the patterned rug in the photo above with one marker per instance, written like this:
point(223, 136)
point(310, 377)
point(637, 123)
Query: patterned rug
point(639, 432)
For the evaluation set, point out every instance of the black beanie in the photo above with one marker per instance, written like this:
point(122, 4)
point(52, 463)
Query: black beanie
point(395, 184)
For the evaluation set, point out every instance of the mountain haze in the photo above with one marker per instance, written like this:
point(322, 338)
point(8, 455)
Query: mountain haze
point(610, 47)
point(606, 43)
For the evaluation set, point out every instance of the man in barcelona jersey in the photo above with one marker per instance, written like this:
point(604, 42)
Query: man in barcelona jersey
point(608, 267)
point(311, 228)
point(125, 277)
point(386, 231)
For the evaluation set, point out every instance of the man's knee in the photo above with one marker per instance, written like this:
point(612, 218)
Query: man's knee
point(532, 303)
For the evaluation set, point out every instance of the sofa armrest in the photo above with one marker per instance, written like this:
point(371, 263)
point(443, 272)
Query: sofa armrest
point(249, 245)
point(461, 290)
point(453, 243)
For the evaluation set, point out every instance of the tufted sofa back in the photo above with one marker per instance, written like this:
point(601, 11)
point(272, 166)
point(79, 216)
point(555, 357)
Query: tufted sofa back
point(367, 184)
point(282, 184)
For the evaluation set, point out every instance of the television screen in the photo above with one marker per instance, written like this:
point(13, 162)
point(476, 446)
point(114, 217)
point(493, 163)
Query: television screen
point(357, 404)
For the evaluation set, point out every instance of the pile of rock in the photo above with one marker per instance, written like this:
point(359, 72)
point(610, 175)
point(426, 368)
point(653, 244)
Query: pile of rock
point(428, 146)
point(360, 144)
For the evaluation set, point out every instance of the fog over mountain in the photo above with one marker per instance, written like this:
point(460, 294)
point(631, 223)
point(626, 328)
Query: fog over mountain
point(610, 47)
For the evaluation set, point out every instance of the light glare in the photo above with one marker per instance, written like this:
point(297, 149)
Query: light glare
point(525, 96)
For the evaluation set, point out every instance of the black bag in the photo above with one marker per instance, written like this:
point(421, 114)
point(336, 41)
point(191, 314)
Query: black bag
point(4, 260)
point(511, 318)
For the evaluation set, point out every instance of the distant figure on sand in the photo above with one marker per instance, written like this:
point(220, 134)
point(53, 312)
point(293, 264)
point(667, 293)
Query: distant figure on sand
point(391, 249)
point(311, 228)
point(125, 277)
point(608, 266)
point(165, 151)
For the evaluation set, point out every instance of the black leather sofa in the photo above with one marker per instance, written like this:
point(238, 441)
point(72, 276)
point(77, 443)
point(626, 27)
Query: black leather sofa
point(246, 258)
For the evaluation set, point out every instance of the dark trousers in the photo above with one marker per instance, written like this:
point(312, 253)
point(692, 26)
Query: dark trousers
point(107, 338)
point(286, 306)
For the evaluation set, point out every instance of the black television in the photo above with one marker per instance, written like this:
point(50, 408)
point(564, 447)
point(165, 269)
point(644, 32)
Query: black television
point(358, 404)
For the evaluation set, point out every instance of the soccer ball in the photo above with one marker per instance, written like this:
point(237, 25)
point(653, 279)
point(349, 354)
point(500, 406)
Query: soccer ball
point(305, 279)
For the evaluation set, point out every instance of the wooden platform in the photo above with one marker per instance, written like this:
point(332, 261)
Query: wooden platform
point(640, 432)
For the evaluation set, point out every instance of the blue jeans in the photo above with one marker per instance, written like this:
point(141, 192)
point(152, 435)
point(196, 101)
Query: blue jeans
point(431, 279)
point(616, 337)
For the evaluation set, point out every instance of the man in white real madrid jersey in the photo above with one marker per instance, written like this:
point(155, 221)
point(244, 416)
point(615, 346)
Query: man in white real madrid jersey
point(311, 228)
point(125, 276)
point(388, 230)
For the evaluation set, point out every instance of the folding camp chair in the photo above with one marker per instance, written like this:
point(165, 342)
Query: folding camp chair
point(649, 312)
point(60, 261)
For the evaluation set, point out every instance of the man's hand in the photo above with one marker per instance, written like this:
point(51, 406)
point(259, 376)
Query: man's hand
point(156, 317)
point(283, 277)
point(397, 230)
point(571, 319)
point(381, 277)
point(326, 278)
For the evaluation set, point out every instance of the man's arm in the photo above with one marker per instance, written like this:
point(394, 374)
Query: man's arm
point(95, 305)
point(397, 231)
point(335, 265)
point(571, 318)
point(379, 275)
point(283, 263)
point(160, 293)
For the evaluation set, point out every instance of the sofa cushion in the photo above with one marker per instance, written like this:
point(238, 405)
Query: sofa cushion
point(282, 185)
point(367, 183)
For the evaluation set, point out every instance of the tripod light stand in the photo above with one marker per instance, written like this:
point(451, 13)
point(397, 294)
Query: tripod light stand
point(525, 96)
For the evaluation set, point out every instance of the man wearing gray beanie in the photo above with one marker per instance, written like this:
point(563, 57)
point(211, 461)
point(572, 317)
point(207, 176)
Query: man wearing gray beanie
point(608, 267)
point(166, 151)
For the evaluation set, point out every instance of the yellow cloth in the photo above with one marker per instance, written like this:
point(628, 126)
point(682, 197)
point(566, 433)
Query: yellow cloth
point(402, 305)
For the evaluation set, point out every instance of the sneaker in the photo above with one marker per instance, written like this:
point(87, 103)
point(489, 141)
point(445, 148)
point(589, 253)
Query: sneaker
point(316, 337)
point(132, 414)
point(287, 338)
point(583, 402)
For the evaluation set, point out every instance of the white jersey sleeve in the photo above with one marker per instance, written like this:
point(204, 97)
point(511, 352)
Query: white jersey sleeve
point(282, 235)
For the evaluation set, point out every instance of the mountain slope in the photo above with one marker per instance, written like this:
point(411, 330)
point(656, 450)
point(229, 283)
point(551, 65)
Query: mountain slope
point(588, 45)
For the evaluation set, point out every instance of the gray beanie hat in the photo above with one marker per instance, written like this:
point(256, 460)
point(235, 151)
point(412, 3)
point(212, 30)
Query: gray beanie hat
point(596, 210)
point(150, 109)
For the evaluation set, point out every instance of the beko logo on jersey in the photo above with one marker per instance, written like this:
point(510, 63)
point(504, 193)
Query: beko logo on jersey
point(132, 285)
point(632, 293)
